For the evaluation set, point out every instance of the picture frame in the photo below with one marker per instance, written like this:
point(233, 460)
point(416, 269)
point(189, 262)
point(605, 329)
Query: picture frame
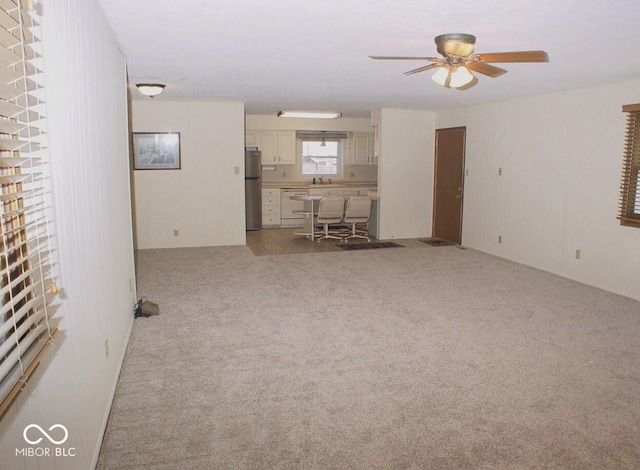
point(156, 151)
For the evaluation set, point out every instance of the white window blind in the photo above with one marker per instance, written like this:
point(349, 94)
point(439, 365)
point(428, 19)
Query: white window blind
point(629, 209)
point(26, 272)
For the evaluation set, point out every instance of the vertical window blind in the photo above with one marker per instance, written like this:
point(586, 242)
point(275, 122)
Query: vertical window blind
point(27, 286)
point(629, 208)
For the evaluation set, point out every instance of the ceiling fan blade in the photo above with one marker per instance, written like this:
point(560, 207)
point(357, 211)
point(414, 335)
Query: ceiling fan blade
point(485, 69)
point(517, 56)
point(423, 69)
point(392, 57)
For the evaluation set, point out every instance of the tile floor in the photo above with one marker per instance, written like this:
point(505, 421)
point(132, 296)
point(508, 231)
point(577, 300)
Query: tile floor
point(281, 241)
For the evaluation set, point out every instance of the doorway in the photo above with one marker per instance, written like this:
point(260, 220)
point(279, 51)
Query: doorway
point(448, 189)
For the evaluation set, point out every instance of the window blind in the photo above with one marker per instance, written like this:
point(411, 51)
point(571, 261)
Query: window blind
point(629, 208)
point(27, 287)
point(319, 135)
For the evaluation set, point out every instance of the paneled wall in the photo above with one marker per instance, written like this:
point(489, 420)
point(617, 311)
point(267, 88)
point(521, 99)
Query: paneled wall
point(88, 136)
point(560, 158)
point(204, 200)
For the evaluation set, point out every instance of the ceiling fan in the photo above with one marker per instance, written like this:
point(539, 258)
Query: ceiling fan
point(457, 50)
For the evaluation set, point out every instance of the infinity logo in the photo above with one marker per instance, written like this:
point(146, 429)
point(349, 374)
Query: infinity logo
point(44, 433)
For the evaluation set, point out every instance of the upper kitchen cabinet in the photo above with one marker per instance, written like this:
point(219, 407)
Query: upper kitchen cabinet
point(251, 139)
point(286, 147)
point(361, 149)
point(376, 143)
point(277, 147)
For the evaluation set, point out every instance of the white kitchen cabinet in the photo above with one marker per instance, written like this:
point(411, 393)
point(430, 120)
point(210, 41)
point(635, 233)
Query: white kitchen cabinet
point(376, 143)
point(361, 149)
point(268, 145)
point(286, 147)
point(270, 208)
point(251, 139)
point(277, 147)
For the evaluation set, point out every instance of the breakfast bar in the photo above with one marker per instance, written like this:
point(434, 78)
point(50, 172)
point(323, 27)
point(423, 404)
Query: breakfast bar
point(309, 212)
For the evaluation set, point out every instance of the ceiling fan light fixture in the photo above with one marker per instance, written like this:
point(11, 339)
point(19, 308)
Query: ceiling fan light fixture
point(309, 114)
point(457, 44)
point(440, 77)
point(460, 77)
point(464, 50)
point(150, 89)
point(452, 77)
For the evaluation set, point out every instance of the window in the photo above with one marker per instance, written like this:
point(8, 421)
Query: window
point(26, 269)
point(321, 153)
point(629, 210)
point(320, 158)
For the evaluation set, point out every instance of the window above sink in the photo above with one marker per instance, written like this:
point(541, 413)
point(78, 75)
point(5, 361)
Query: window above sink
point(320, 158)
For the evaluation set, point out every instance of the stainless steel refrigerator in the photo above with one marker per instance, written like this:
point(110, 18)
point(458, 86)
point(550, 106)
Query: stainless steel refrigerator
point(253, 188)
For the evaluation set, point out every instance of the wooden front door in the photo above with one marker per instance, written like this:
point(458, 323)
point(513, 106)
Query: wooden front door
point(448, 188)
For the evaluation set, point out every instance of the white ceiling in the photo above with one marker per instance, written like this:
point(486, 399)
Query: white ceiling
point(313, 55)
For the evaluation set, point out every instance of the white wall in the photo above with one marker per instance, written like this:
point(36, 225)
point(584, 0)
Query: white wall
point(561, 160)
point(204, 200)
point(87, 108)
point(405, 173)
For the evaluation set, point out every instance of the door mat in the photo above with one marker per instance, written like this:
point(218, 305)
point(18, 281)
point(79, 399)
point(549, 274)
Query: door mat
point(437, 242)
point(368, 246)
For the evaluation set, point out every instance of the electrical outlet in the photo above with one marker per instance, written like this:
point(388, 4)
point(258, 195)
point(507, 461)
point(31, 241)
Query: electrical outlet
point(352, 174)
point(499, 238)
point(106, 348)
point(577, 254)
point(130, 284)
point(236, 170)
point(284, 174)
point(499, 171)
point(176, 232)
point(466, 172)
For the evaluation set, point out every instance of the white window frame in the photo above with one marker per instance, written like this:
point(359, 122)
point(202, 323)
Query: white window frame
point(340, 158)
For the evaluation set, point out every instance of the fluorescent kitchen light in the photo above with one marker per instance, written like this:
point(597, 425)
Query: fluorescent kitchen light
point(309, 114)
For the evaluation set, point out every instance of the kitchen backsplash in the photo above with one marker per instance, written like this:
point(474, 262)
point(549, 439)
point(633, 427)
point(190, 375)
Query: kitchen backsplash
point(283, 173)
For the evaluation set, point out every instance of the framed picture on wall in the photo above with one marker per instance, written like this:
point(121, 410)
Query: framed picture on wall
point(156, 150)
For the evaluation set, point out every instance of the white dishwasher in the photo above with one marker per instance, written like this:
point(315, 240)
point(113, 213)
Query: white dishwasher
point(288, 205)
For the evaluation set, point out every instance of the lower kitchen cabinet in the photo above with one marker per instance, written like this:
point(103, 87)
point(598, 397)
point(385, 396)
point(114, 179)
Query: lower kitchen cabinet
point(270, 208)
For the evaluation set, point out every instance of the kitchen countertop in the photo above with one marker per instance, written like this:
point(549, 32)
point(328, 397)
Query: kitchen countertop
point(306, 185)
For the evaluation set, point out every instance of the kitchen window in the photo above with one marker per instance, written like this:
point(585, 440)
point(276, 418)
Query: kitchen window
point(321, 153)
point(320, 158)
point(629, 209)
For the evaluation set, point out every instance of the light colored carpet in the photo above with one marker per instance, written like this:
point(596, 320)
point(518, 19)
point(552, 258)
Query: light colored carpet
point(411, 358)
